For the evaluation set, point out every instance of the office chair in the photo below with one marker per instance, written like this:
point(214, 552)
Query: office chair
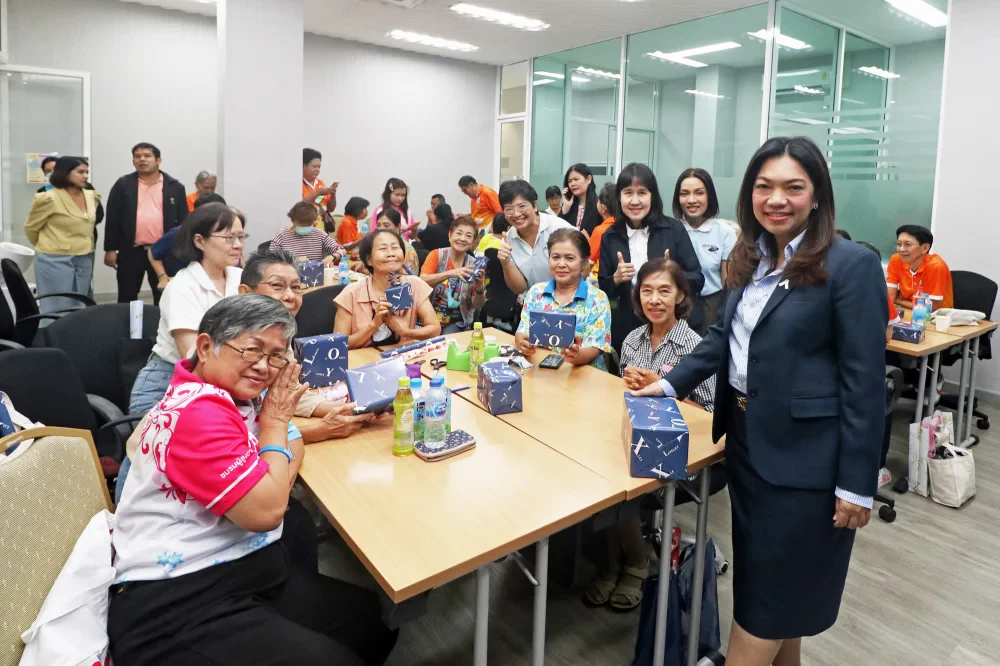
point(422, 253)
point(318, 311)
point(893, 392)
point(972, 292)
point(97, 341)
point(27, 315)
point(501, 302)
point(264, 247)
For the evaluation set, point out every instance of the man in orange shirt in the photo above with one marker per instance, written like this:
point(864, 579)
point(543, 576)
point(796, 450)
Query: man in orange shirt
point(314, 190)
point(204, 183)
point(485, 202)
point(914, 270)
point(606, 207)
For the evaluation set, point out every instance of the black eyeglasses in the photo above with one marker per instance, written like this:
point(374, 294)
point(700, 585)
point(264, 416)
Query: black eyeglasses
point(231, 239)
point(280, 287)
point(251, 356)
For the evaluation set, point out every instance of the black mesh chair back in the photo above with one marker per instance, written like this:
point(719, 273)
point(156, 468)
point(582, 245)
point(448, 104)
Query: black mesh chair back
point(98, 344)
point(501, 302)
point(422, 253)
point(26, 313)
point(43, 386)
point(6, 320)
point(975, 292)
point(318, 311)
point(264, 247)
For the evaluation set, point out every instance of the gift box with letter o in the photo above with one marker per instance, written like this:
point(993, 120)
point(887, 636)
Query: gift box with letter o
point(551, 329)
point(655, 437)
point(499, 387)
point(323, 358)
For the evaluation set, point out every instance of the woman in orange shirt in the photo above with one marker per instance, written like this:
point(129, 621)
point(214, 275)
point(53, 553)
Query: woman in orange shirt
point(204, 183)
point(606, 207)
point(348, 233)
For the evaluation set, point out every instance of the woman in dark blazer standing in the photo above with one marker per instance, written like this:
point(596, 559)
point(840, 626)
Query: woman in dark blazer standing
point(800, 363)
point(639, 233)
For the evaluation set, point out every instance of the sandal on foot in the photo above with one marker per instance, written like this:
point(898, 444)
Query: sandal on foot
point(627, 595)
point(599, 590)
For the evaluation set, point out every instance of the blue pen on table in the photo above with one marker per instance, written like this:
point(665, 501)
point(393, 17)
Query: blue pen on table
point(460, 388)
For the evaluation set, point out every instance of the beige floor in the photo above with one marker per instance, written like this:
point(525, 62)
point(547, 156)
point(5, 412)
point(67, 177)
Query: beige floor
point(923, 591)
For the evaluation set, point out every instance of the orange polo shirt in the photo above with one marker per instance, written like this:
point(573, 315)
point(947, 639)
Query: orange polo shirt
point(307, 189)
point(932, 278)
point(595, 239)
point(485, 205)
point(347, 230)
point(191, 198)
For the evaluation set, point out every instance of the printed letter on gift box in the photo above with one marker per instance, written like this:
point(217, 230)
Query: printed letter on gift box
point(323, 358)
point(373, 387)
point(499, 387)
point(551, 329)
point(655, 437)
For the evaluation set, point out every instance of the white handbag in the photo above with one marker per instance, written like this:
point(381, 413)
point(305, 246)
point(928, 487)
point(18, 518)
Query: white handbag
point(952, 480)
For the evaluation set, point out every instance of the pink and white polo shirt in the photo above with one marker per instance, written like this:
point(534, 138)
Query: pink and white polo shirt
point(197, 457)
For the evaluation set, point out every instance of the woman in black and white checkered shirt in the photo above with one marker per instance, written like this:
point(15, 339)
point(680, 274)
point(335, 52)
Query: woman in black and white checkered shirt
point(661, 299)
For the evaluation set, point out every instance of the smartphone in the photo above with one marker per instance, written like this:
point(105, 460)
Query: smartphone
point(551, 362)
point(456, 442)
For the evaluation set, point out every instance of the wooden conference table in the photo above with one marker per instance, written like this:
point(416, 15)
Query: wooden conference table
point(418, 525)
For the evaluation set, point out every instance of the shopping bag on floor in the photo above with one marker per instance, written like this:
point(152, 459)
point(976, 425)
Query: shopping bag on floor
point(709, 639)
point(674, 653)
point(952, 476)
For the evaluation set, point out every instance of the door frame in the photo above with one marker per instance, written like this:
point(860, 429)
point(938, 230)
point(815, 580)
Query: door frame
point(5, 113)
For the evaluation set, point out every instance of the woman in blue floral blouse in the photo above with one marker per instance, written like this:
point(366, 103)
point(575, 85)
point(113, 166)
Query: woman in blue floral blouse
point(569, 291)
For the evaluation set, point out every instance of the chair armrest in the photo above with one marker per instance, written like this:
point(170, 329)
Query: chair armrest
point(10, 344)
point(109, 413)
point(125, 420)
point(82, 298)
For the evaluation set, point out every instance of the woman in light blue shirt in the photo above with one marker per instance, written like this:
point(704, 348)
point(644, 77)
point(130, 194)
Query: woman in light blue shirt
point(696, 205)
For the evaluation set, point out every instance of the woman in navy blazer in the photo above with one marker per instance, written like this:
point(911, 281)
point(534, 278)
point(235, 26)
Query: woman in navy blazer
point(799, 359)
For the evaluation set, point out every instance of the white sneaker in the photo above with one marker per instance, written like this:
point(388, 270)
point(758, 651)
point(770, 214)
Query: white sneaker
point(884, 477)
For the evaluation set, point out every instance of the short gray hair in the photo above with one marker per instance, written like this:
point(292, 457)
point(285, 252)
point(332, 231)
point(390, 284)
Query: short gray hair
point(246, 314)
point(203, 176)
point(253, 272)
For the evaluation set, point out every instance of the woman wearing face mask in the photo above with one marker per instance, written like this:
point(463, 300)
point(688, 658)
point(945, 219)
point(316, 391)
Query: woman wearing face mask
point(696, 205)
point(394, 197)
point(799, 358)
point(579, 203)
point(304, 240)
point(640, 232)
point(363, 312)
point(450, 272)
point(569, 291)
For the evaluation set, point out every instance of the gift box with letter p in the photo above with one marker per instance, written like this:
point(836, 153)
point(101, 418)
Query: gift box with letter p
point(323, 358)
point(499, 387)
point(373, 387)
point(551, 329)
point(905, 331)
point(310, 273)
point(400, 297)
point(655, 437)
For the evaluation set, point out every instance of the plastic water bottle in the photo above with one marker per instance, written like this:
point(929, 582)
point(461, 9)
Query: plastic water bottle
point(363, 226)
point(343, 276)
point(919, 311)
point(402, 419)
point(436, 420)
point(419, 409)
point(477, 349)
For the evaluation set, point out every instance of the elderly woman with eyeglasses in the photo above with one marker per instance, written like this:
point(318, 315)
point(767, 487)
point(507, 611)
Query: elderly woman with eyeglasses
point(201, 575)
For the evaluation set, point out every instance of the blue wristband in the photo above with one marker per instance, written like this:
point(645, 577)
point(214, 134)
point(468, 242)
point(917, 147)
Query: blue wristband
point(277, 449)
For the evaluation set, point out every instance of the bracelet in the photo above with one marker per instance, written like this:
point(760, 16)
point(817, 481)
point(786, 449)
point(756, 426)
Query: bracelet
point(277, 449)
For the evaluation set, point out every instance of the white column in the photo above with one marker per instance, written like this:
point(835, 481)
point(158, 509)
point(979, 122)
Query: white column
point(260, 110)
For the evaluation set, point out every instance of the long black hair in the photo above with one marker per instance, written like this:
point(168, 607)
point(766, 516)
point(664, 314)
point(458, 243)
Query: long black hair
point(583, 170)
point(636, 172)
point(713, 199)
point(806, 265)
point(392, 185)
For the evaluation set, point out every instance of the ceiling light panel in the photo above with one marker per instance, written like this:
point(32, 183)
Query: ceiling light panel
point(879, 72)
point(428, 40)
point(800, 72)
point(702, 93)
point(598, 72)
point(683, 57)
point(782, 40)
point(808, 91)
point(502, 18)
point(921, 11)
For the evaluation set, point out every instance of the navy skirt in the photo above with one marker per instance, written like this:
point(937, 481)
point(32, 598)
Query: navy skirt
point(789, 561)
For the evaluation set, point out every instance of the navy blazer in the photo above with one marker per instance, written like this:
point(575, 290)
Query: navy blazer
point(815, 377)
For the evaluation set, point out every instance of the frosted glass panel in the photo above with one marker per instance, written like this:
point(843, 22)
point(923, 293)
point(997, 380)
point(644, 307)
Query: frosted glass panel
point(513, 88)
point(512, 150)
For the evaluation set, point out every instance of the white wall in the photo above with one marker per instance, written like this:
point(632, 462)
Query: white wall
point(965, 230)
point(377, 113)
point(153, 78)
point(373, 112)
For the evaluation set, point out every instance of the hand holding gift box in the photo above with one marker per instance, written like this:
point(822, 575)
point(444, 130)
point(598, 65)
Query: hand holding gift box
point(479, 267)
point(323, 358)
point(400, 297)
point(551, 329)
point(499, 387)
point(373, 387)
point(655, 438)
point(310, 273)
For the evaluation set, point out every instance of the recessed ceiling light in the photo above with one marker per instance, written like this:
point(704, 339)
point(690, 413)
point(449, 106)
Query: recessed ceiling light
point(782, 40)
point(503, 18)
point(702, 93)
point(542, 82)
point(850, 130)
point(801, 72)
point(879, 72)
point(682, 57)
point(598, 72)
point(808, 121)
point(427, 40)
point(921, 11)
point(808, 91)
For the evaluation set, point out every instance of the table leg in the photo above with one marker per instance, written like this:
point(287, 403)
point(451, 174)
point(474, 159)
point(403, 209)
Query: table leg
point(971, 404)
point(660, 635)
point(960, 406)
point(482, 615)
point(701, 536)
point(541, 594)
point(933, 397)
point(920, 390)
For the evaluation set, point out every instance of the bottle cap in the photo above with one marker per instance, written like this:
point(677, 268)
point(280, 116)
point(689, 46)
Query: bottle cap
point(437, 381)
point(477, 326)
point(404, 382)
point(416, 382)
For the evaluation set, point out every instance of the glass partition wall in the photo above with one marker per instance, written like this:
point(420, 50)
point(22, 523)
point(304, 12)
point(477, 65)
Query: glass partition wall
point(859, 77)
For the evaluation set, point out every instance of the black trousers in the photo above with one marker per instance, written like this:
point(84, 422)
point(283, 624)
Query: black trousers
point(132, 265)
point(255, 610)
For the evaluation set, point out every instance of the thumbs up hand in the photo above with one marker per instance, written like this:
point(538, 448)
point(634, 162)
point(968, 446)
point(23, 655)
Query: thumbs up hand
point(624, 271)
point(666, 254)
point(503, 254)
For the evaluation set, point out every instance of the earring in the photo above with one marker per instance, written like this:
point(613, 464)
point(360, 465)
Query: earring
point(815, 206)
